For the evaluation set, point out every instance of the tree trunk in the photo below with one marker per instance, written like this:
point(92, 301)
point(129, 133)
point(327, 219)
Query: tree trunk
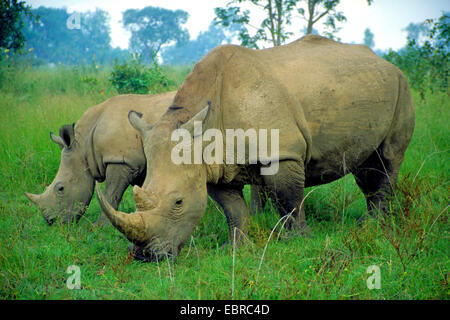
point(311, 8)
point(272, 26)
point(310, 26)
point(279, 6)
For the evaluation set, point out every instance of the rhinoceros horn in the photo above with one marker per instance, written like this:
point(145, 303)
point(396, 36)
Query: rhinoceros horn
point(133, 225)
point(35, 198)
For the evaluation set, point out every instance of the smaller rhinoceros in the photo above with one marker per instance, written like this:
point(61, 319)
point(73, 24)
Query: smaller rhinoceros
point(102, 146)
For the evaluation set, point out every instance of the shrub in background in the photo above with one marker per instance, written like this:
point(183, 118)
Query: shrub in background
point(135, 77)
point(427, 64)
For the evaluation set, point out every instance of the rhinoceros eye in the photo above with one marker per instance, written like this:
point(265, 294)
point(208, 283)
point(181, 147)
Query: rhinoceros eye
point(179, 202)
point(59, 187)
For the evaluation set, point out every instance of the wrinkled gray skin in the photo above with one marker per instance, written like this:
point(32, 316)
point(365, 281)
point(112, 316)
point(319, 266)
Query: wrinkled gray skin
point(103, 146)
point(339, 109)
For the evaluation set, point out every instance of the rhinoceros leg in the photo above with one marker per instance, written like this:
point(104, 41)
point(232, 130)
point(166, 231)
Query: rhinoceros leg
point(118, 178)
point(236, 211)
point(378, 174)
point(286, 190)
point(376, 177)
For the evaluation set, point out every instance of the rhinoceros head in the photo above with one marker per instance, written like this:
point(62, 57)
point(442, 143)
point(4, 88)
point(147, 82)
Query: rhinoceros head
point(171, 201)
point(70, 192)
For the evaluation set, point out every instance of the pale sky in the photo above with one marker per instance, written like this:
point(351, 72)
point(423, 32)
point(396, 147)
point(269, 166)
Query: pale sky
point(385, 18)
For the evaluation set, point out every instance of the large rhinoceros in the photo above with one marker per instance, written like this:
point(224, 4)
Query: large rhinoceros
point(338, 109)
point(103, 146)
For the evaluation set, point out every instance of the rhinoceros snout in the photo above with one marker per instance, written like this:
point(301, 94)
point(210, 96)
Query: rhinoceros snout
point(145, 255)
point(50, 221)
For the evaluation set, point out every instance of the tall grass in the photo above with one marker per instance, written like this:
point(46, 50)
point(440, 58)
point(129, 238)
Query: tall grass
point(411, 245)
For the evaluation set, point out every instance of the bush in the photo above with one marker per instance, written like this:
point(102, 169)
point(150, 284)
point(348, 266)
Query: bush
point(427, 64)
point(135, 77)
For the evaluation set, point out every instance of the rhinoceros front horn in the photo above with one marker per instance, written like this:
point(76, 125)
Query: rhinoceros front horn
point(33, 198)
point(132, 225)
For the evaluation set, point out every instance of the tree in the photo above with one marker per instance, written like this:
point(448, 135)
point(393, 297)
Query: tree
point(319, 9)
point(369, 38)
point(194, 50)
point(53, 41)
point(11, 22)
point(152, 27)
point(427, 64)
point(272, 28)
point(279, 15)
point(95, 32)
point(314, 31)
point(416, 31)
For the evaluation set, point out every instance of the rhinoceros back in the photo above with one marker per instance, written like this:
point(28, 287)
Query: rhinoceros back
point(347, 93)
point(111, 138)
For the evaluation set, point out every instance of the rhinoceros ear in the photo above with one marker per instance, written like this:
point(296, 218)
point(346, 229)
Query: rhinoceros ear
point(67, 133)
point(138, 122)
point(57, 139)
point(199, 117)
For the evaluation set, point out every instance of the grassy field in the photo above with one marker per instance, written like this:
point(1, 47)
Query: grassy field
point(410, 246)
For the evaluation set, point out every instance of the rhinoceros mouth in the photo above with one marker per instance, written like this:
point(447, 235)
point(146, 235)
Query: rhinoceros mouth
point(50, 221)
point(146, 255)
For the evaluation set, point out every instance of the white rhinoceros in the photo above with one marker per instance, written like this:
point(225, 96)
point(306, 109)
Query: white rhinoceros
point(338, 108)
point(102, 146)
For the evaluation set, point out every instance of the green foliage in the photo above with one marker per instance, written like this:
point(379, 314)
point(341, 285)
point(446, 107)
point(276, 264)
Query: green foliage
point(369, 38)
point(135, 77)
point(19, 80)
point(427, 64)
point(53, 41)
point(316, 10)
point(177, 73)
point(416, 31)
point(319, 9)
point(278, 15)
point(410, 245)
point(272, 29)
point(153, 27)
point(190, 52)
point(11, 22)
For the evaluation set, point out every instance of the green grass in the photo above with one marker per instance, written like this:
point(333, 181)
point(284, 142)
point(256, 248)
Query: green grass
point(411, 246)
